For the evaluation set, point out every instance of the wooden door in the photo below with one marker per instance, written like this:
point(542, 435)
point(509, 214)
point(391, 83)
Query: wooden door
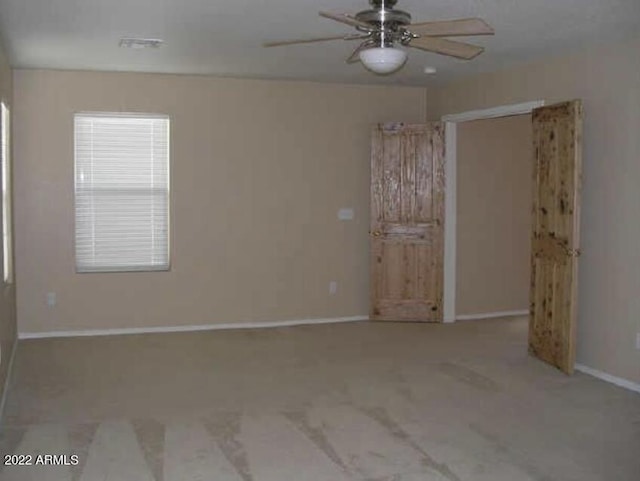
point(407, 220)
point(557, 134)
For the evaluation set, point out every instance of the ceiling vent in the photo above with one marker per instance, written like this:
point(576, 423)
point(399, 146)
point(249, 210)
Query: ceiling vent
point(130, 42)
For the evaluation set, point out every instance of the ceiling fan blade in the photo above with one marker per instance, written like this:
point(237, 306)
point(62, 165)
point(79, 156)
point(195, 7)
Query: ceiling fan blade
point(312, 40)
point(451, 48)
point(345, 18)
point(452, 28)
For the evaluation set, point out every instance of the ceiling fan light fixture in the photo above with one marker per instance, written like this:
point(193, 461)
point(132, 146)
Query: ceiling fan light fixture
point(383, 60)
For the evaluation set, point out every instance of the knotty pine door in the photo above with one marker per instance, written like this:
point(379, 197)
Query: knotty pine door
point(407, 221)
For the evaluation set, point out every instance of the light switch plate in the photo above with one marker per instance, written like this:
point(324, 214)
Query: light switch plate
point(346, 213)
point(51, 299)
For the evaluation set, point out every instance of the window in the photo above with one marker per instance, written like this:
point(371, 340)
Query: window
point(7, 247)
point(121, 192)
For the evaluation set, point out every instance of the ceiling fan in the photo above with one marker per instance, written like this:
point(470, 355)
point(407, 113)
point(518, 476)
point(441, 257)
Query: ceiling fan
point(384, 29)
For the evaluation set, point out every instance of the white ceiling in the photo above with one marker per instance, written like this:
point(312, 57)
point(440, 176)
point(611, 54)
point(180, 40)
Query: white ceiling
point(224, 38)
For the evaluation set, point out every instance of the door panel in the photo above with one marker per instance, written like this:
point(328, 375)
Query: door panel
point(557, 136)
point(407, 218)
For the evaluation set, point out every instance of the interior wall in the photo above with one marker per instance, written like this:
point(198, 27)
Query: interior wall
point(608, 81)
point(259, 171)
point(8, 297)
point(494, 193)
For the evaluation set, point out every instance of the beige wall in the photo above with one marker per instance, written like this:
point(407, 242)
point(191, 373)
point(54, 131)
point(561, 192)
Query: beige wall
point(259, 171)
point(8, 297)
point(608, 81)
point(494, 165)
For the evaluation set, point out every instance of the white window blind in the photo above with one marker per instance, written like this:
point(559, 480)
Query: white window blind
point(7, 247)
point(121, 192)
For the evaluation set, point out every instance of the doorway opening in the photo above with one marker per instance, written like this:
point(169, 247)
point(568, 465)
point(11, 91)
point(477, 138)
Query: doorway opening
point(494, 199)
point(464, 238)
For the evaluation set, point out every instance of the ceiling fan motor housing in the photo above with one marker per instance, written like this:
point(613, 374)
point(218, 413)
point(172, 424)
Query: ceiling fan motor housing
point(386, 23)
point(384, 15)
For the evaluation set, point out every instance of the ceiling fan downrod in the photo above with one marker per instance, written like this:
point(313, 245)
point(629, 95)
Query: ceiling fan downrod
point(383, 16)
point(382, 3)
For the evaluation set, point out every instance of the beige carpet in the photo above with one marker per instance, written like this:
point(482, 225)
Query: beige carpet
point(394, 402)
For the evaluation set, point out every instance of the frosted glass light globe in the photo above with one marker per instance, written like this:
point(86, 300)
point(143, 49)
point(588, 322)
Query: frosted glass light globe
point(383, 60)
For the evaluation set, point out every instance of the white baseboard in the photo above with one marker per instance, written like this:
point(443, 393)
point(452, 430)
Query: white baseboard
point(205, 327)
point(618, 381)
point(7, 381)
point(489, 315)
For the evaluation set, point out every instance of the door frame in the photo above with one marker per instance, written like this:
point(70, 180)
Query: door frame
point(450, 192)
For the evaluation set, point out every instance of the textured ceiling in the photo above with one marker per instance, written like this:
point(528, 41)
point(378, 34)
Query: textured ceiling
point(224, 38)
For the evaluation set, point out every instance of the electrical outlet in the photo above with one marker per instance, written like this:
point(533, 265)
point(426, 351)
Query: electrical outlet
point(51, 299)
point(333, 287)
